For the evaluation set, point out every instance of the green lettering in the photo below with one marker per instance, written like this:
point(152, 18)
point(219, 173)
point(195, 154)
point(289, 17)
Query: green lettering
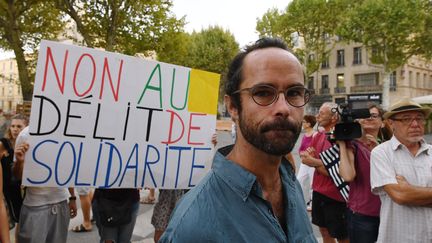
point(148, 86)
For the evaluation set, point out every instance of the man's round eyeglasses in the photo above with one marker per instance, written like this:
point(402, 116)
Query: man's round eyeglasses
point(265, 95)
point(409, 120)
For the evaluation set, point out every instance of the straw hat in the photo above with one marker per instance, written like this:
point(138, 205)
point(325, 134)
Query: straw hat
point(406, 104)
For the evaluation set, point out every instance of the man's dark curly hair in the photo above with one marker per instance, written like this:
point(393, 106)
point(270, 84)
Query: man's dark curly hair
point(234, 76)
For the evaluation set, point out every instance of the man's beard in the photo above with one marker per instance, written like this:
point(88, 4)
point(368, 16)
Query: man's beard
point(282, 143)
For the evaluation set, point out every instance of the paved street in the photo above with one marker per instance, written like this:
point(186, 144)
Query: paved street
point(143, 232)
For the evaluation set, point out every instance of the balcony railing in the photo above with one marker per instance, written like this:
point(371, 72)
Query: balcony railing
point(339, 90)
point(366, 88)
point(325, 91)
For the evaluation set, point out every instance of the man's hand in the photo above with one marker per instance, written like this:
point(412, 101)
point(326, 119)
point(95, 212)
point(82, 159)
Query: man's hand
point(72, 208)
point(403, 183)
point(18, 166)
point(20, 151)
point(307, 157)
point(371, 141)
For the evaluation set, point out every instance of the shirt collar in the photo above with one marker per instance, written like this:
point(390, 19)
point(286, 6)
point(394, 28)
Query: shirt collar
point(396, 144)
point(241, 180)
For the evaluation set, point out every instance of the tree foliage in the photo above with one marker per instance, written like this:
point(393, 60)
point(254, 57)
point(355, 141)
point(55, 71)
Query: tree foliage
point(125, 26)
point(393, 30)
point(314, 21)
point(210, 49)
point(23, 23)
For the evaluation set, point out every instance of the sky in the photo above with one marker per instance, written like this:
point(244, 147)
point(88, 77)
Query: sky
point(238, 16)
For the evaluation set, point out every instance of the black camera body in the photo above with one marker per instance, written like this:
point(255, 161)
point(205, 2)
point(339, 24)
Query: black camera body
point(347, 128)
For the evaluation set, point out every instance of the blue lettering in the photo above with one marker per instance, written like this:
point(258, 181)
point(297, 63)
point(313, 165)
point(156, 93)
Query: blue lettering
point(97, 163)
point(135, 166)
point(180, 149)
point(110, 161)
point(147, 164)
point(41, 163)
point(57, 163)
point(195, 165)
point(78, 168)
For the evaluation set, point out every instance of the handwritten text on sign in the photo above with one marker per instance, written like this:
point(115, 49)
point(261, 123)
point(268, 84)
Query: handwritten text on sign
point(101, 119)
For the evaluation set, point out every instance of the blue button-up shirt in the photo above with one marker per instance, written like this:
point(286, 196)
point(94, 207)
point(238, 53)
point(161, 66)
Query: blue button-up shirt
point(228, 206)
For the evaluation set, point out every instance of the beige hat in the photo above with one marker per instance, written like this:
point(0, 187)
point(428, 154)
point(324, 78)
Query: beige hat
point(406, 104)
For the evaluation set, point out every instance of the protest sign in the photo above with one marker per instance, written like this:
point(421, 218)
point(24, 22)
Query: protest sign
point(103, 119)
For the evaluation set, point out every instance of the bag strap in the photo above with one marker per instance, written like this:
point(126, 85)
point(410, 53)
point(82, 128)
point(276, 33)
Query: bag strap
point(331, 160)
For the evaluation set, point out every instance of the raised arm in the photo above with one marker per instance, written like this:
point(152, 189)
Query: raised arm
point(18, 165)
point(346, 165)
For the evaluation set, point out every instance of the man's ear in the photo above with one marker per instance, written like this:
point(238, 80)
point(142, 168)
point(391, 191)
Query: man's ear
point(231, 108)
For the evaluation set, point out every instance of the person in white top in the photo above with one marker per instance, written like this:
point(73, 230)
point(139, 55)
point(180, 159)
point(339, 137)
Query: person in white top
point(401, 174)
point(46, 212)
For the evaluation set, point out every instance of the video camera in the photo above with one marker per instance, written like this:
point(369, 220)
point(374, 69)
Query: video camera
point(348, 128)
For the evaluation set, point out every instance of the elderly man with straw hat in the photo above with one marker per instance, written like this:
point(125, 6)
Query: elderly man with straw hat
point(401, 174)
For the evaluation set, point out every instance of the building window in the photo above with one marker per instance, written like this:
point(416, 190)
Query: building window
point(325, 63)
point(418, 80)
point(393, 81)
point(10, 78)
point(311, 83)
point(311, 57)
point(366, 79)
point(11, 65)
point(326, 37)
point(340, 58)
point(357, 58)
point(324, 81)
point(340, 82)
point(10, 90)
point(410, 78)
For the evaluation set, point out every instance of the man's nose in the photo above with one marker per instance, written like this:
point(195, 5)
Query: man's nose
point(281, 105)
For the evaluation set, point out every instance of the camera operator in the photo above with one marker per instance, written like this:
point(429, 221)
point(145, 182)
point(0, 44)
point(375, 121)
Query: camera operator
point(354, 167)
point(328, 205)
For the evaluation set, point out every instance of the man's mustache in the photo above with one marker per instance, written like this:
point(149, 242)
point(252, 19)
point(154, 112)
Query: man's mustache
point(280, 124)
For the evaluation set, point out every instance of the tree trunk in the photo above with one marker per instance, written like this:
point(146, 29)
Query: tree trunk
point(14, 39)
point(386, 90)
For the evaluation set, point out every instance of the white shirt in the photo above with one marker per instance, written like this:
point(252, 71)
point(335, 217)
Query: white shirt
point(400, 223)
point(39, 196)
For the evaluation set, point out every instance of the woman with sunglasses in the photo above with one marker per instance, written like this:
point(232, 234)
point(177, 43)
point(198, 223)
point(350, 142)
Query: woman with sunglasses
point(354, 167)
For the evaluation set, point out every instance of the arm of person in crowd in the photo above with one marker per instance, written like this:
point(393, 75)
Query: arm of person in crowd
point(4, 223)
point(214, 139)
point(18, 166)
point(308, 158)
point(404, 193)
point(346, 165)
point(72, 203)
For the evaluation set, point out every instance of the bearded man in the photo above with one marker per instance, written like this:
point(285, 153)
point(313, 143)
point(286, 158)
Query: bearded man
point(251, 194)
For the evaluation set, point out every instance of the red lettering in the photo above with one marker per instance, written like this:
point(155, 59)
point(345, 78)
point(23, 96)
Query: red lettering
point(107, 70)
point(49, 57)
point(170, 141)
point(76, 71)
point(194, 128)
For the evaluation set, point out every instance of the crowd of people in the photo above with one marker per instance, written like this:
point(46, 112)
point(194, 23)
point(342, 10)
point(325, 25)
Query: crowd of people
point(374, 188)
